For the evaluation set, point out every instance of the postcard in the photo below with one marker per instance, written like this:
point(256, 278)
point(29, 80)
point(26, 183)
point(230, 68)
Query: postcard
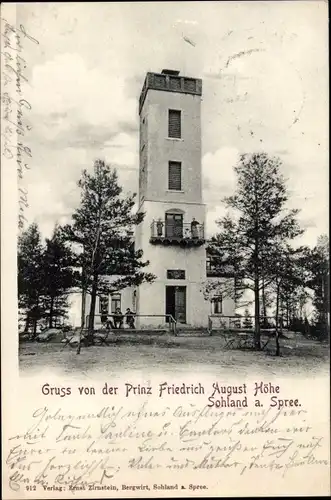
point(165, 319)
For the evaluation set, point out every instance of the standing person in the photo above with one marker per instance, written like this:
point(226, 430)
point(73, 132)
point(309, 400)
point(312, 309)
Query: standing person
point(194, 228)
point(159, 227)
point(130, 318)
point(118, 318)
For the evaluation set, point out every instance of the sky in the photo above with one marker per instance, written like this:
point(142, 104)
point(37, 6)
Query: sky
point(264, 67)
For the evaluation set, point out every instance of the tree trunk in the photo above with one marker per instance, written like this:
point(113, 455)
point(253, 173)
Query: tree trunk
point(51, 313)
point(83, 310)
point(277, 322)
point(82, 322)
point(287, 312)
point(257, 332)
point(325, 305)
point(264, 305)
point(27, 323)
point(92, 308)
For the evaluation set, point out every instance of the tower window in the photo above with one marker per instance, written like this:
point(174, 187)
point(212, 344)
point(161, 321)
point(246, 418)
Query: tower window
point(175, 176)
point(174, 125)
point(175, 274)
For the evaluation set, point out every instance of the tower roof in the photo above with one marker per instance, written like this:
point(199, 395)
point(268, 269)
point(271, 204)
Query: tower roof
point(170, 80)
point(173, 72)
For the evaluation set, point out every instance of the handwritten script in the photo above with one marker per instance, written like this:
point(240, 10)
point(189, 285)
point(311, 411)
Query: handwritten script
point(113, 447)
point(15, 108)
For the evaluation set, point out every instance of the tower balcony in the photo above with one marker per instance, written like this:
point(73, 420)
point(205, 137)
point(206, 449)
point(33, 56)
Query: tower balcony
point(185, 234)
point(170, 81)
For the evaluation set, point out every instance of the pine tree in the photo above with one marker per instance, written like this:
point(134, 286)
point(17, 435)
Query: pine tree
point(30, 276)
point(287, 277)
point(59, 277)
point(258, 222)
point(102, 225)
point(319, 273)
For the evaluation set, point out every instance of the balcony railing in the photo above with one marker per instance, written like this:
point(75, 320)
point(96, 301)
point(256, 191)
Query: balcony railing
point(140, 322)
point(219, 271)
point(170, 83)
point(185, 234)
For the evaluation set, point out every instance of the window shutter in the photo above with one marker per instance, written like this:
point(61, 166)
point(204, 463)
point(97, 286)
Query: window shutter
point(174, 124)
point(175, 176)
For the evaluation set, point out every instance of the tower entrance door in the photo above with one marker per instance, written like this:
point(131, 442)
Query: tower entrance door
point(174, 225)
point(176, 302)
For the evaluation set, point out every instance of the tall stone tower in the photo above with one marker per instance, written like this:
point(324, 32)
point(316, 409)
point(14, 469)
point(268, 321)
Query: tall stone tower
point(172, 235)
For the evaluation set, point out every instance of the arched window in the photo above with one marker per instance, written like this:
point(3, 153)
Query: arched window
point(174, 223)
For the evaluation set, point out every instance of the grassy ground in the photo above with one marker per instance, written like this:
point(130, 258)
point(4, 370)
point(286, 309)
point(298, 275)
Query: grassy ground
point(167, 354)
